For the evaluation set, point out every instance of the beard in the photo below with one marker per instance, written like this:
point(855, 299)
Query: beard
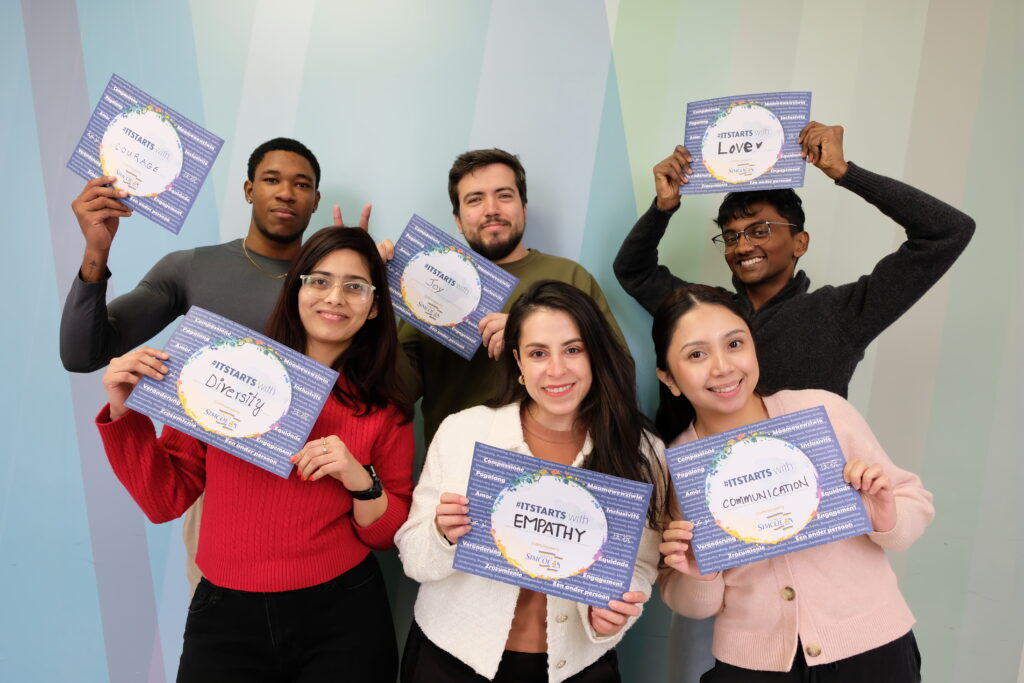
point(496, 251)
point(280, 239)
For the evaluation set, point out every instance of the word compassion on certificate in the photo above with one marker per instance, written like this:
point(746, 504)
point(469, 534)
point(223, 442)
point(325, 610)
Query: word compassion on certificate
point(237, 390)
point(564, 531)
point(746, 142)
point(159, 156)
point(444, 288)
point(764, 490)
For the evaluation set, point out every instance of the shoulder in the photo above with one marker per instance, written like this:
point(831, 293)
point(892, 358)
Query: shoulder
point(792, 400)
point(541, 266)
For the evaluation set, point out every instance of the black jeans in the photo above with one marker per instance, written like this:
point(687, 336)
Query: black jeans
point(340, 630)
point(895, 662)
point(424, 662)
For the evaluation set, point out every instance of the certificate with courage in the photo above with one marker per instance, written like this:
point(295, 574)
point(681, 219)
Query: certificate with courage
point(443, 287)
point(560, 530)
point(764, 490)
point(236, 390)
point(158, 155)
point(746, 142)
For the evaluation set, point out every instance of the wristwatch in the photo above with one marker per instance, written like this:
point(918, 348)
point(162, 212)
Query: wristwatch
point(375, 491)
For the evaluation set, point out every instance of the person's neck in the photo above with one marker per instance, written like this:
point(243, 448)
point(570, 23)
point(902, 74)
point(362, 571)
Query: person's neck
point(519, 253)
point(324, 354)
point(763, 292)
point(257, 243)
point(556, 423)
point(708, 423)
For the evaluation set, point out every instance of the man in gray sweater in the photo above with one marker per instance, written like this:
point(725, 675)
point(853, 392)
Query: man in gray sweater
point(239, 280)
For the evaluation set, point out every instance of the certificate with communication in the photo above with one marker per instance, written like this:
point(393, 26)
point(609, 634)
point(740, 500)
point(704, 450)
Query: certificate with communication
point(236, 390)
point(160, 157)
point(746, 142)
point(560, 530)
point(444, 288)
point(764, 490)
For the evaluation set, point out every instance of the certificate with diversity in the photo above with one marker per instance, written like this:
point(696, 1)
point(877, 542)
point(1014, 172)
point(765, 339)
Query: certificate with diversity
point(560, 530)
point(160, 157)
point(444, 288)
point(746, 142)
point(764, 490)
point(236, 390)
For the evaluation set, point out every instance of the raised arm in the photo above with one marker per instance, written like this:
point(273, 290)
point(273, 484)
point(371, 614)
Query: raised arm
point(636, 265)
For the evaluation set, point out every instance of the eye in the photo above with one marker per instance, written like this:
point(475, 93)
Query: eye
point(536, 353)
point(574, 350)
point(270, 179)
point(505, 195)
point(304, 186)
point(696, 355)
point(760, 231)
point(472, 200)
point(736, 344)
point(730, 237)
point(319, 282)
point(355, 287)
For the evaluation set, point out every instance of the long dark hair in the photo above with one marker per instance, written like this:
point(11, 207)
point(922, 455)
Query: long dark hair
point(369, 363)
point(609, 411)
point(675, 413)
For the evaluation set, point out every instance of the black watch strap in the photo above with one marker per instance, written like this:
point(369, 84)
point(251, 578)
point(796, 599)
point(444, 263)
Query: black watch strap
point(375, 491)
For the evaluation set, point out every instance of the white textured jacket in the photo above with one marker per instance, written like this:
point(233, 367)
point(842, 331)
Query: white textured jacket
point(470, 616)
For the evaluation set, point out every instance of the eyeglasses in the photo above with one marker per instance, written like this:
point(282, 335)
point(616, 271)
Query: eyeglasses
point(352, 290)
point(756, 233)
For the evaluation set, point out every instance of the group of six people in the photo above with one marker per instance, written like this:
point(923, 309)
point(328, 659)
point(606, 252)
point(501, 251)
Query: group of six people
point(286, 585)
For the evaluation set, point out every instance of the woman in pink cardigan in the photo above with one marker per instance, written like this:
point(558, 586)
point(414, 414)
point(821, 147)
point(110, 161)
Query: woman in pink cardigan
point(831, 614)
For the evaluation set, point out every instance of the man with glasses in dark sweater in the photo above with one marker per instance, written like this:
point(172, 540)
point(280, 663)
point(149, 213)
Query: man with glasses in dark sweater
point(805, 339)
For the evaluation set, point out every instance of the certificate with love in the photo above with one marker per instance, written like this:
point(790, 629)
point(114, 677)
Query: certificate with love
point(444, 288)
point(559, 530)
point(159, 156)
point(765, 490)
point(237, 390)
point(746, 142)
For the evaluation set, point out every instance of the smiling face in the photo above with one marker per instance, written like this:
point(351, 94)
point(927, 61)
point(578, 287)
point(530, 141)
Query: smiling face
point(283, 196)
point(711, 360)
point(769, 265)
point(331, 319)
point(492, 215)
point(555, 367)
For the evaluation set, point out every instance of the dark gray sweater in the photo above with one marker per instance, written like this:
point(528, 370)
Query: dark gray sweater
point(219, 278)
point(814, 340)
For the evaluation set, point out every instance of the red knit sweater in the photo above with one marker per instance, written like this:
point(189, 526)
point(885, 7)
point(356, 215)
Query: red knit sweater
point(261, 532)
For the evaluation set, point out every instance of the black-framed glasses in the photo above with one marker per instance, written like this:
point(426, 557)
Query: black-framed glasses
point(755, 233)
point(353, 290)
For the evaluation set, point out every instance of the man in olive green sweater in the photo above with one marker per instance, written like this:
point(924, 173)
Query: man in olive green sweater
point(487, 188)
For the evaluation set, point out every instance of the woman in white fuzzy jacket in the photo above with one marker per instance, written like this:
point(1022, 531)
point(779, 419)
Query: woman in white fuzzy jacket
point(569, 396)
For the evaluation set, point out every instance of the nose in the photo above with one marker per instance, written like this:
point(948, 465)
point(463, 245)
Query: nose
point(720, 364)
point(335, 294)
point(743, 244)
point(490, 205)
point(285, 192)
point(556, 365)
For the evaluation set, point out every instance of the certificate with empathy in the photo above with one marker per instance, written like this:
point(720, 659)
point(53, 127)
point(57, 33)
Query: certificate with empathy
point(746, 142)
point(160, 157)
point(560, 530)
point(767, 489)
point(444, 288)
point(236, 390)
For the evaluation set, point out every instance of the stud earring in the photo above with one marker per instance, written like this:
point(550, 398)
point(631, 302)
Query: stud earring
point(522, 380)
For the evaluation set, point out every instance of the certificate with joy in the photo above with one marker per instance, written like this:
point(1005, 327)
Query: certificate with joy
point(236, 390)
point(764, 490)
point(159, 156)
point(564, 531)
point(443, 287)
point(746, 142)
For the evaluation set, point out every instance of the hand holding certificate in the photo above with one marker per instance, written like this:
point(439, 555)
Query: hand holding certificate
point(232, 388)
point(764, 490)
point(158, 158)
point(560, 530)
point(746, 142)
point(444, 288)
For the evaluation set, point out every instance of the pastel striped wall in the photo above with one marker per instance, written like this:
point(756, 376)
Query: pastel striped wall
point(591, 95)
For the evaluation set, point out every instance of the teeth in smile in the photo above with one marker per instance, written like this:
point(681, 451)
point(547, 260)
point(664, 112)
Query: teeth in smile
point(725, 390)
point(331, 316)
point(558, 390)
point(751, 261)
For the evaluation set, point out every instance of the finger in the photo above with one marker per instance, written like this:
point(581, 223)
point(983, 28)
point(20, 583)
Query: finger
point(495, 347)
point(881, 483)
point(634, 597)
point(454, 498)
point(364, 217)
point(622, 611)
point(99, 203)
point(386, 249)
point(672, 548)
point(336, 215)
point(456, 533)
point(451, 509)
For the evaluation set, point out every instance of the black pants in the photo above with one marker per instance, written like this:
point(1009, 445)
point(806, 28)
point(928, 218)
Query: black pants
point(337, 631)
point(895, 662)
point(424, 662)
